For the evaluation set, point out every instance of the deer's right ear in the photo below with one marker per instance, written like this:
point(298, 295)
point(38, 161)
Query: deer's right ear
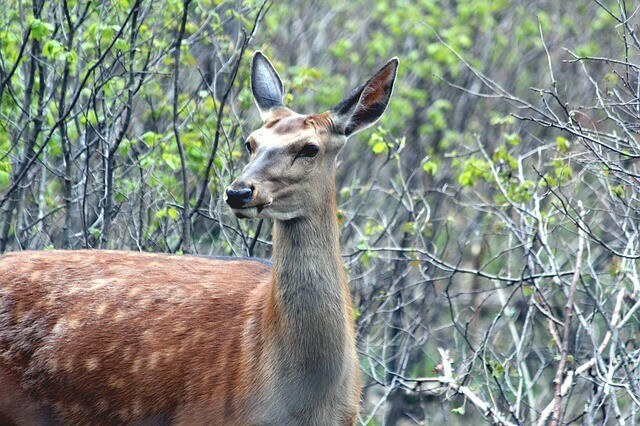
point(266, 86)
point(364, 106)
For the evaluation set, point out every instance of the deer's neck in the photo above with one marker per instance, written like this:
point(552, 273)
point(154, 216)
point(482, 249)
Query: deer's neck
point(310, 297)
point(310, 366)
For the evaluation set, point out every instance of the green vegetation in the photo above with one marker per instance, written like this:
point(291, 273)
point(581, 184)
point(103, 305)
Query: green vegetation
point(500, 186)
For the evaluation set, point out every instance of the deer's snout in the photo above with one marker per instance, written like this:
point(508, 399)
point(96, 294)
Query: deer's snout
point(238, 198)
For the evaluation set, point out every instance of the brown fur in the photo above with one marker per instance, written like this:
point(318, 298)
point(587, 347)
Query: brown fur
point(285, 122)
point(116, 336)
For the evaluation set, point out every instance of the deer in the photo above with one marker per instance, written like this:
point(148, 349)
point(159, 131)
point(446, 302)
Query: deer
point(116, 337)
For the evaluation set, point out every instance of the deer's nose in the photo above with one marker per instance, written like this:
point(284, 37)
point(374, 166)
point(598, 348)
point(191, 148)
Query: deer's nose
point(237, 198)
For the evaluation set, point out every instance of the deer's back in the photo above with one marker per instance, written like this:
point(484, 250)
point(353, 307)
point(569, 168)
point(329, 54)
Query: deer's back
point(135, 335)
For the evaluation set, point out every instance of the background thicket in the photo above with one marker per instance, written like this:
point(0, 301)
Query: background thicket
point(489, 221)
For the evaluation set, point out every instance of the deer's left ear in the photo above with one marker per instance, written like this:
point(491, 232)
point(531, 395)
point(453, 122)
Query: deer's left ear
point(266, 86)
point(366, 104)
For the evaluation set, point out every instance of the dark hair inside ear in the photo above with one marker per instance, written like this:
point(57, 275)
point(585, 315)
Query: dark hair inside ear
point(366, 104)
point(365, 116)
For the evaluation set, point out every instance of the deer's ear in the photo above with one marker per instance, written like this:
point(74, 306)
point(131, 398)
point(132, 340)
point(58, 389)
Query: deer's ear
point(366, 104)
point(266, 86)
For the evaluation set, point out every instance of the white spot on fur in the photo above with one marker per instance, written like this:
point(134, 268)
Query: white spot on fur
point(68, 365)
point(154, 359)
point(148, 336)
point(134, 292)
point(103, 404)
point(137, 363)
point(127, 353)
point(101, 308)
point(59, 326)
point(117, 383)
point(52, 364)
point(112, 348)
point(91, 363)
point(137, 408)
point(169, 353)
point(91, 286)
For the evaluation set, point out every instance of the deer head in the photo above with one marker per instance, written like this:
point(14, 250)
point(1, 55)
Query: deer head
point(291, 168)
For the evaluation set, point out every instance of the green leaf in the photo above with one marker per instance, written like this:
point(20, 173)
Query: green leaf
point(173, 213)
point(171, 160)
point(611, 78)
point(107, 34)
point(95, 232)
point(376, 139)
point(499, 120)
point(379, 147)
point(341, 48)
point(121, 45)
point(460, 410)
point(4, 179)
point(563, 171)
point(409, 228)
point(430, 167)
point(150, 138)
point(497, 369)
point(466, 179)
point(512, 138)
point(473, 170)
point(563, 144)
point(72, 57)
point(52, 49)
point(618, 191)
point(39, 29)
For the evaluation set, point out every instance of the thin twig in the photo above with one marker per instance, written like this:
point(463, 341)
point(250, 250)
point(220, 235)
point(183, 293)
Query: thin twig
point(568, 312)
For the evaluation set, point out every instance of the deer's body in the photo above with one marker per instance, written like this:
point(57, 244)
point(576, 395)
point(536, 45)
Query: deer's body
point(102, 337)
point(136, 360)
point(162, 338)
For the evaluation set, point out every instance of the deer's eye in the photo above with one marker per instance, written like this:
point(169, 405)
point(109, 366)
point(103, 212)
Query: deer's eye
point(309, 151)
point(247, 145)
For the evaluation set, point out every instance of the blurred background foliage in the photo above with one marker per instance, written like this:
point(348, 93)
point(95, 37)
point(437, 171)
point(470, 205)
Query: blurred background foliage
point(500, 187)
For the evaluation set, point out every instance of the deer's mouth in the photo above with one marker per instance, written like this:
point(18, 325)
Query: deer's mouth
point(248, 212)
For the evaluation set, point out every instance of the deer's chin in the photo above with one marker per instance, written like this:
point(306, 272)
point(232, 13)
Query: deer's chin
point(259, 211)
point(273, 213)
point(265, 212)
point(247, 213)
